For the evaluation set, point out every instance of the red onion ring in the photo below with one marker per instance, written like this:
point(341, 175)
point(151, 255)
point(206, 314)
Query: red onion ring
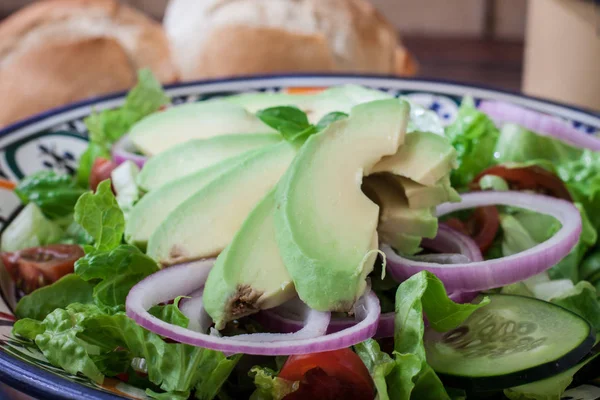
point(483, 275)
point(539, 123)
point(193, 309)
point(451, 241)
point(123, 151)
point(186, 278)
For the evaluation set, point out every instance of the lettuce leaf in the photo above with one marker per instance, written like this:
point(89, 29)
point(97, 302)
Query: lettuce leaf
point(582, 177)
point(583, 301)
point(68, 289)
point(108, 126)
point(473, 135)
point(517, 144)
point(269, 386)
point(379, 364)
point(54, 194)
point(412, 377)
point(99, 214)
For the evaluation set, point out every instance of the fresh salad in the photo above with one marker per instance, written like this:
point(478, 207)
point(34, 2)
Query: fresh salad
point(332, 244)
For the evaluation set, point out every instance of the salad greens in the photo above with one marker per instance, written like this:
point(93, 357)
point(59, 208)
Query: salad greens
point(108, 126)
point(473, 135)
point(79, 322)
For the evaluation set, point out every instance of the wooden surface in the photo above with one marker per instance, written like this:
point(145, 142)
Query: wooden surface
point(488, 62)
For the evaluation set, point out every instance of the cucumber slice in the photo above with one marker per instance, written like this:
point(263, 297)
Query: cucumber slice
point(512, 341)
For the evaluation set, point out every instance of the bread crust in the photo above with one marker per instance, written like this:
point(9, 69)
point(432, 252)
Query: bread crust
point(58, 51)
point(240, 37)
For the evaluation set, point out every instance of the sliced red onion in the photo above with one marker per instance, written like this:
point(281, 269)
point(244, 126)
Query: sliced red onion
point(124, 150)
point(542, 124)
point(186, 278)
point(451, 241)
point(483, 275)
point(193, 308)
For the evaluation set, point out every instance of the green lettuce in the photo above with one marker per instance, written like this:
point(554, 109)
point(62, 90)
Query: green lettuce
point(379, 364)
point(582, 177)
point(582, 299)
point(519, 145)
point(108, 126)
point(412, 377)
point(269, 386)
point(473, 135)
point(30, 229)
point(68, 289)
point(99, 214)
point(54, 194)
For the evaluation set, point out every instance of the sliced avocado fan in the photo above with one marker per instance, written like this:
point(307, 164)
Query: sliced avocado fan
point(204, 224)
point(163, 130)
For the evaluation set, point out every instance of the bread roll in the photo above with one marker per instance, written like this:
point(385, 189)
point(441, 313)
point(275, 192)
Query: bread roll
point(57, 51)
point(219, 38)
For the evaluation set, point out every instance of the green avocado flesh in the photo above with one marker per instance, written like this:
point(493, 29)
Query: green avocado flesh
point(326, 226)
point(399, 226)
point(421, 196)
point(424, 158)
point(240, 283)
point(163, 130)
point(196, 154)
point(204, 224)
point(155, 206)
point(341, 99)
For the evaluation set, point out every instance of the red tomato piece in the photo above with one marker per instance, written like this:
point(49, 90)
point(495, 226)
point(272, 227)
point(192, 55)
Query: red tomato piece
point(35, 267)
point(329, 375)
point(532, 178)
point(101, 170)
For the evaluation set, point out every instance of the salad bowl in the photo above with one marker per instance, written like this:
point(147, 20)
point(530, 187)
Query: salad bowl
point(55, 141)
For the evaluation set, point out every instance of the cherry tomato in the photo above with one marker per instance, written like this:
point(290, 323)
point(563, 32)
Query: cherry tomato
point(482, 226)
point(35, 267)
point(101, 170)
point(533, 178)
point(338, 374)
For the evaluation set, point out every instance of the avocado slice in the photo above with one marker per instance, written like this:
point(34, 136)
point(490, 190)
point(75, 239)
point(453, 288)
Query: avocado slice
point(204, 224)
point(326, 227)
point(163, 130)
point(395, 216)
point(249, 275)
point(421, 196)
point(339, 98)
point(425, 158)
point(196, 154)
point(155, 206)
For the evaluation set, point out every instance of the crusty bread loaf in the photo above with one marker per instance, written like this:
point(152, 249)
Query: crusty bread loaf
point(57, 51)
point(217, 38)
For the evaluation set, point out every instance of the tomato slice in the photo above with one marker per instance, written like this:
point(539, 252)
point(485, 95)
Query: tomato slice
point(101, 170)
point(35, 267)
point(335, 374)
point(532, 178)
point(482, 226)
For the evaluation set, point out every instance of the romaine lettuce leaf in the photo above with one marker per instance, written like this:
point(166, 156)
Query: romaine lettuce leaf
point(379, 364)
point(108, 126)
point(269, 386)
point(473, 135)
point(412, 377)
point(30, 229)
point(583, 301)
point(68, 289)
point(517, 144)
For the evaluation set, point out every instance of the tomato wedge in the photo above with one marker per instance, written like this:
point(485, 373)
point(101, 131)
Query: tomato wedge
point(35, 267)
point(101, 170)
point(338, 374)
point(482, 226)
point(532, 178)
